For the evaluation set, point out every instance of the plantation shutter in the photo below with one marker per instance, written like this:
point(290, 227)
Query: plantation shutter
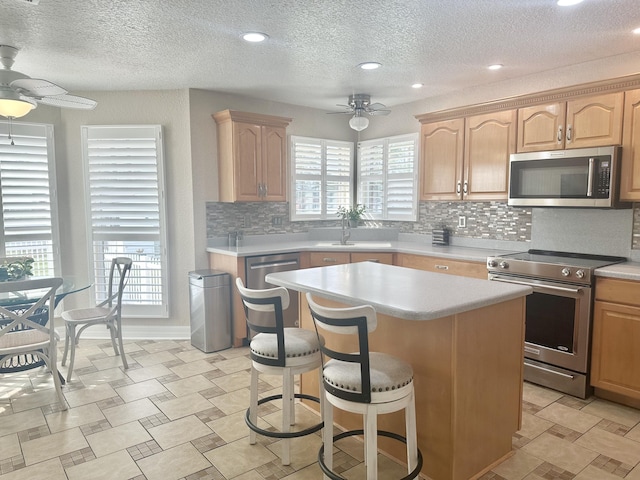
point(28, 218)
point(126, 215)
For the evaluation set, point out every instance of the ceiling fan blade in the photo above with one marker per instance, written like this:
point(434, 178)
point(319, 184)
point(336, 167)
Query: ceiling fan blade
point(36, 87)
point(340, 113)
point(378, 112)
point(69, 101)
point(376, 106)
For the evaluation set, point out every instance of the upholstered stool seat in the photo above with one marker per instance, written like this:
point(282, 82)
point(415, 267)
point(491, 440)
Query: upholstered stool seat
point(276, 350)
point(362, 382)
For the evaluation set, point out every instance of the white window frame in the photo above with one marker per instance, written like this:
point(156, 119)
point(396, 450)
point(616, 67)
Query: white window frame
point(20, 133)
point(386, 177)
point(131, 307)
point(324, 177)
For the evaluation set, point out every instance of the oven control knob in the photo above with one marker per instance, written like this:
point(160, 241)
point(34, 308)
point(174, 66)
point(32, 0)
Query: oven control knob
point(492, 263)
point(580, 273)
point(504, 265)
point(566, 272)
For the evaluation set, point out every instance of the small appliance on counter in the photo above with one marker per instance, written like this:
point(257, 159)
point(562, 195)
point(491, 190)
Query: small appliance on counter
point(440, 236)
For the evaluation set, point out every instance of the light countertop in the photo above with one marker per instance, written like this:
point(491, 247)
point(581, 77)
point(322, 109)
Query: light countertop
point(397, 291)
point(624, 271)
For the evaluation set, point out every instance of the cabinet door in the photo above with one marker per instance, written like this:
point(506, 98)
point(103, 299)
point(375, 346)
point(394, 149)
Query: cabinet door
point(274, 164)
point(594, 121)
point(442, 154)
point(443, 265)
point(379, 257)
point(541, 127)
point(324, 259)
point(615, 360)
point(247, 148)
point(630, 173)
point(489, 140)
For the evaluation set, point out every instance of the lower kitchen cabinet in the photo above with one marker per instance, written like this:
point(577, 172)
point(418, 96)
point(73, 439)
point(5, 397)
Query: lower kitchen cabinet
point(324, 259)
point(615, 356)
point(443, 265)
point(235, 267)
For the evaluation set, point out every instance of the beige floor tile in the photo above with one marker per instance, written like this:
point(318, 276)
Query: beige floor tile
point(225, 458)
point(54, 445)
point(233, 381)
point(387, 468)
point(155, 358)
point(539, 396)
point(160, 346)
point(233, 427)
point(232, 402)
point(634, 474)
point(611, 445)
point(140, 390)
point(179, 431)
point(192, 368)
point(518, 466)
point(634, 433)
point(18, 422)
point(303, 450)
point(30, 400)
point(312, 472)
point(148, 373)
point(192, 355)
point(562, 453)
point(174, 463)
point(117, 438)
point(611, 411)
point(117, 466)
point(251, 475)
point(189, 385)
point(234, 352)
point(305, 418)
point(106, 363)
point(9, 446)
point(568, 417)
point(183, 406)
point(234, 365)
point(131, 411)
point(74, 417)
point(50, 470)
point(532, 426)
point(75, 398)
point(593, 473)
point(103, 376)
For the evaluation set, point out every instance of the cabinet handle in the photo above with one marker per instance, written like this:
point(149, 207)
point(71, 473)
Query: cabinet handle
point(465, 189)
point(264, 190)
point(569, 133)
point(329, 260)
point(458, 187)
point(442, 267)
point(261, 190)
point(559, 133)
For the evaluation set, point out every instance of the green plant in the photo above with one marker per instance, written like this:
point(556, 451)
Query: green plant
point(19, 267)
point(352, 213)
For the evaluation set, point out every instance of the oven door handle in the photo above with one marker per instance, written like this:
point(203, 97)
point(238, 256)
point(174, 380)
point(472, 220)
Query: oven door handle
point(538, 287)
point(548, 370)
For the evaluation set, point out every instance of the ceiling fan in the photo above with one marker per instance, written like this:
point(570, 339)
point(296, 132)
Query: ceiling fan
point(19, 94)
point(360, 104)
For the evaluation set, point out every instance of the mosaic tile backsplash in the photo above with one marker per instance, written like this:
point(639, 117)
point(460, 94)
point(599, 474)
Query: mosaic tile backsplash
point(486, 220)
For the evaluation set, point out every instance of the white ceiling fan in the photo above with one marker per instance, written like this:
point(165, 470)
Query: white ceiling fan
point(360, 104)
point(19, 93)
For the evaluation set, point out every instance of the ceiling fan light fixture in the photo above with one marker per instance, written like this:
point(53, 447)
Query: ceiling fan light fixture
point(370, 65)
point(417, 85)
point(255, 37)
point(358, 122)
point(12, 106)
point(495, 66)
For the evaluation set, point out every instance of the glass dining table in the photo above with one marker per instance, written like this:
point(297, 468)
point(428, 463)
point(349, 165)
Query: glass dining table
point(22, 300)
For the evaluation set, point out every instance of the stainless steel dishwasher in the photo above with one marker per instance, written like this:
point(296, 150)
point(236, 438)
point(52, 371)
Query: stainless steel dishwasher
point(258, 267)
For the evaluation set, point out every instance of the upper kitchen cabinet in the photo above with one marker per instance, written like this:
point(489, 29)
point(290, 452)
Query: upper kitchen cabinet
point(467, 159)
point(592, 121)
point(252, 156)
point(489, 139)
point(442, 152)
point(630, 172)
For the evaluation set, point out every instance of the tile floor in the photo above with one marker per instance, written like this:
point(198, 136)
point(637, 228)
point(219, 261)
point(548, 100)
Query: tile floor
point(178, 414)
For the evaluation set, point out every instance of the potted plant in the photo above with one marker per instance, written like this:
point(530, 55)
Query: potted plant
point(16, 268)
point(352, 214)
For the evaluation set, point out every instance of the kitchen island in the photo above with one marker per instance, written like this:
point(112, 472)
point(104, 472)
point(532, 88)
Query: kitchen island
point(464, 338)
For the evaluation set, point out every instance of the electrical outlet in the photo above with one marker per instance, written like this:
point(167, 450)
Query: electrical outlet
point(462, 221)
point(276, 220)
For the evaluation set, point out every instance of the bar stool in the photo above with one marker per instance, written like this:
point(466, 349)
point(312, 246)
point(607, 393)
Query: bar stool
point(276, 350)
point(367, 383)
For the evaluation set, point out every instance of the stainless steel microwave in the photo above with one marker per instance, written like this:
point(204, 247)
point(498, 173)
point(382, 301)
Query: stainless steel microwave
point(584, 177)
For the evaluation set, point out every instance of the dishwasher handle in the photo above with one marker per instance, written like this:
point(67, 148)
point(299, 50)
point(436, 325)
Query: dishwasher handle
point(260, 266)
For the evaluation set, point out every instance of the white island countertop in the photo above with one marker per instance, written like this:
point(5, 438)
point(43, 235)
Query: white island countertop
point(397, 291)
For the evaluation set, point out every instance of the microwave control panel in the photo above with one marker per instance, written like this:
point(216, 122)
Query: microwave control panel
point(603, 180)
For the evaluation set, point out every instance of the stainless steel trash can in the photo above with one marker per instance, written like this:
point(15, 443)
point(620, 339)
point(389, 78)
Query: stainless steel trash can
point(210, 303)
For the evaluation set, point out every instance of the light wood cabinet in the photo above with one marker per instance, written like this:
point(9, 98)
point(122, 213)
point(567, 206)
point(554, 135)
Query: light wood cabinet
point(252, 157)
point(324, 259)
point(615, 356)
point(467, 159)
point(630, 171)
point(234, 266)
point(592, 121)
point(443, 265)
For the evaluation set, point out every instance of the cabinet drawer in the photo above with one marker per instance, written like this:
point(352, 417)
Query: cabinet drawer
point(618, 291)
point(444, 265)
point(386, 258)
point(323, 259)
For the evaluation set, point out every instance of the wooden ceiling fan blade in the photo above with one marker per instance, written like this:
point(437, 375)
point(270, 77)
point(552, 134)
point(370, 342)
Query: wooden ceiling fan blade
point(378, 112)
point(69, 101)
point(37, 87)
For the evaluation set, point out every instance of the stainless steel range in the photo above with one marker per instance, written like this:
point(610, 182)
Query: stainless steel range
point(558, 313)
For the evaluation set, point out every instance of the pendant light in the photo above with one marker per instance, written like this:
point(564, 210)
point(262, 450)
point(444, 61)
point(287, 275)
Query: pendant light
point(358, 122)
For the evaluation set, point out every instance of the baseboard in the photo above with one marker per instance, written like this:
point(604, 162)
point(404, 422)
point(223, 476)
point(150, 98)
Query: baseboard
point(139, 332)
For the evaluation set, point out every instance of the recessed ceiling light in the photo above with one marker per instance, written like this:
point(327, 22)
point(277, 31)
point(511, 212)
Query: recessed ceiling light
point(370, 65)
point(636, 31)
point(255, 37)
point(417, 85)
point(568, 3)
point(495, 66)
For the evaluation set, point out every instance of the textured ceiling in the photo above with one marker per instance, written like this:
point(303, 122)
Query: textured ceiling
point(314, 46)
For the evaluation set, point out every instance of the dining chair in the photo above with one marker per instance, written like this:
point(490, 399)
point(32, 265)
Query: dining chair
point(108, 312)
point(29, 328)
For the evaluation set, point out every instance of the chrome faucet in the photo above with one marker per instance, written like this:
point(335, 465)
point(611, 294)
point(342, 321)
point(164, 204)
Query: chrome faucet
point(346, 231)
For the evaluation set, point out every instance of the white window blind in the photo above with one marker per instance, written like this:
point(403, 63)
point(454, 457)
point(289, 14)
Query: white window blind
point(387, 177)
point(322, 172)
point(126, 212)
point(28, 217)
